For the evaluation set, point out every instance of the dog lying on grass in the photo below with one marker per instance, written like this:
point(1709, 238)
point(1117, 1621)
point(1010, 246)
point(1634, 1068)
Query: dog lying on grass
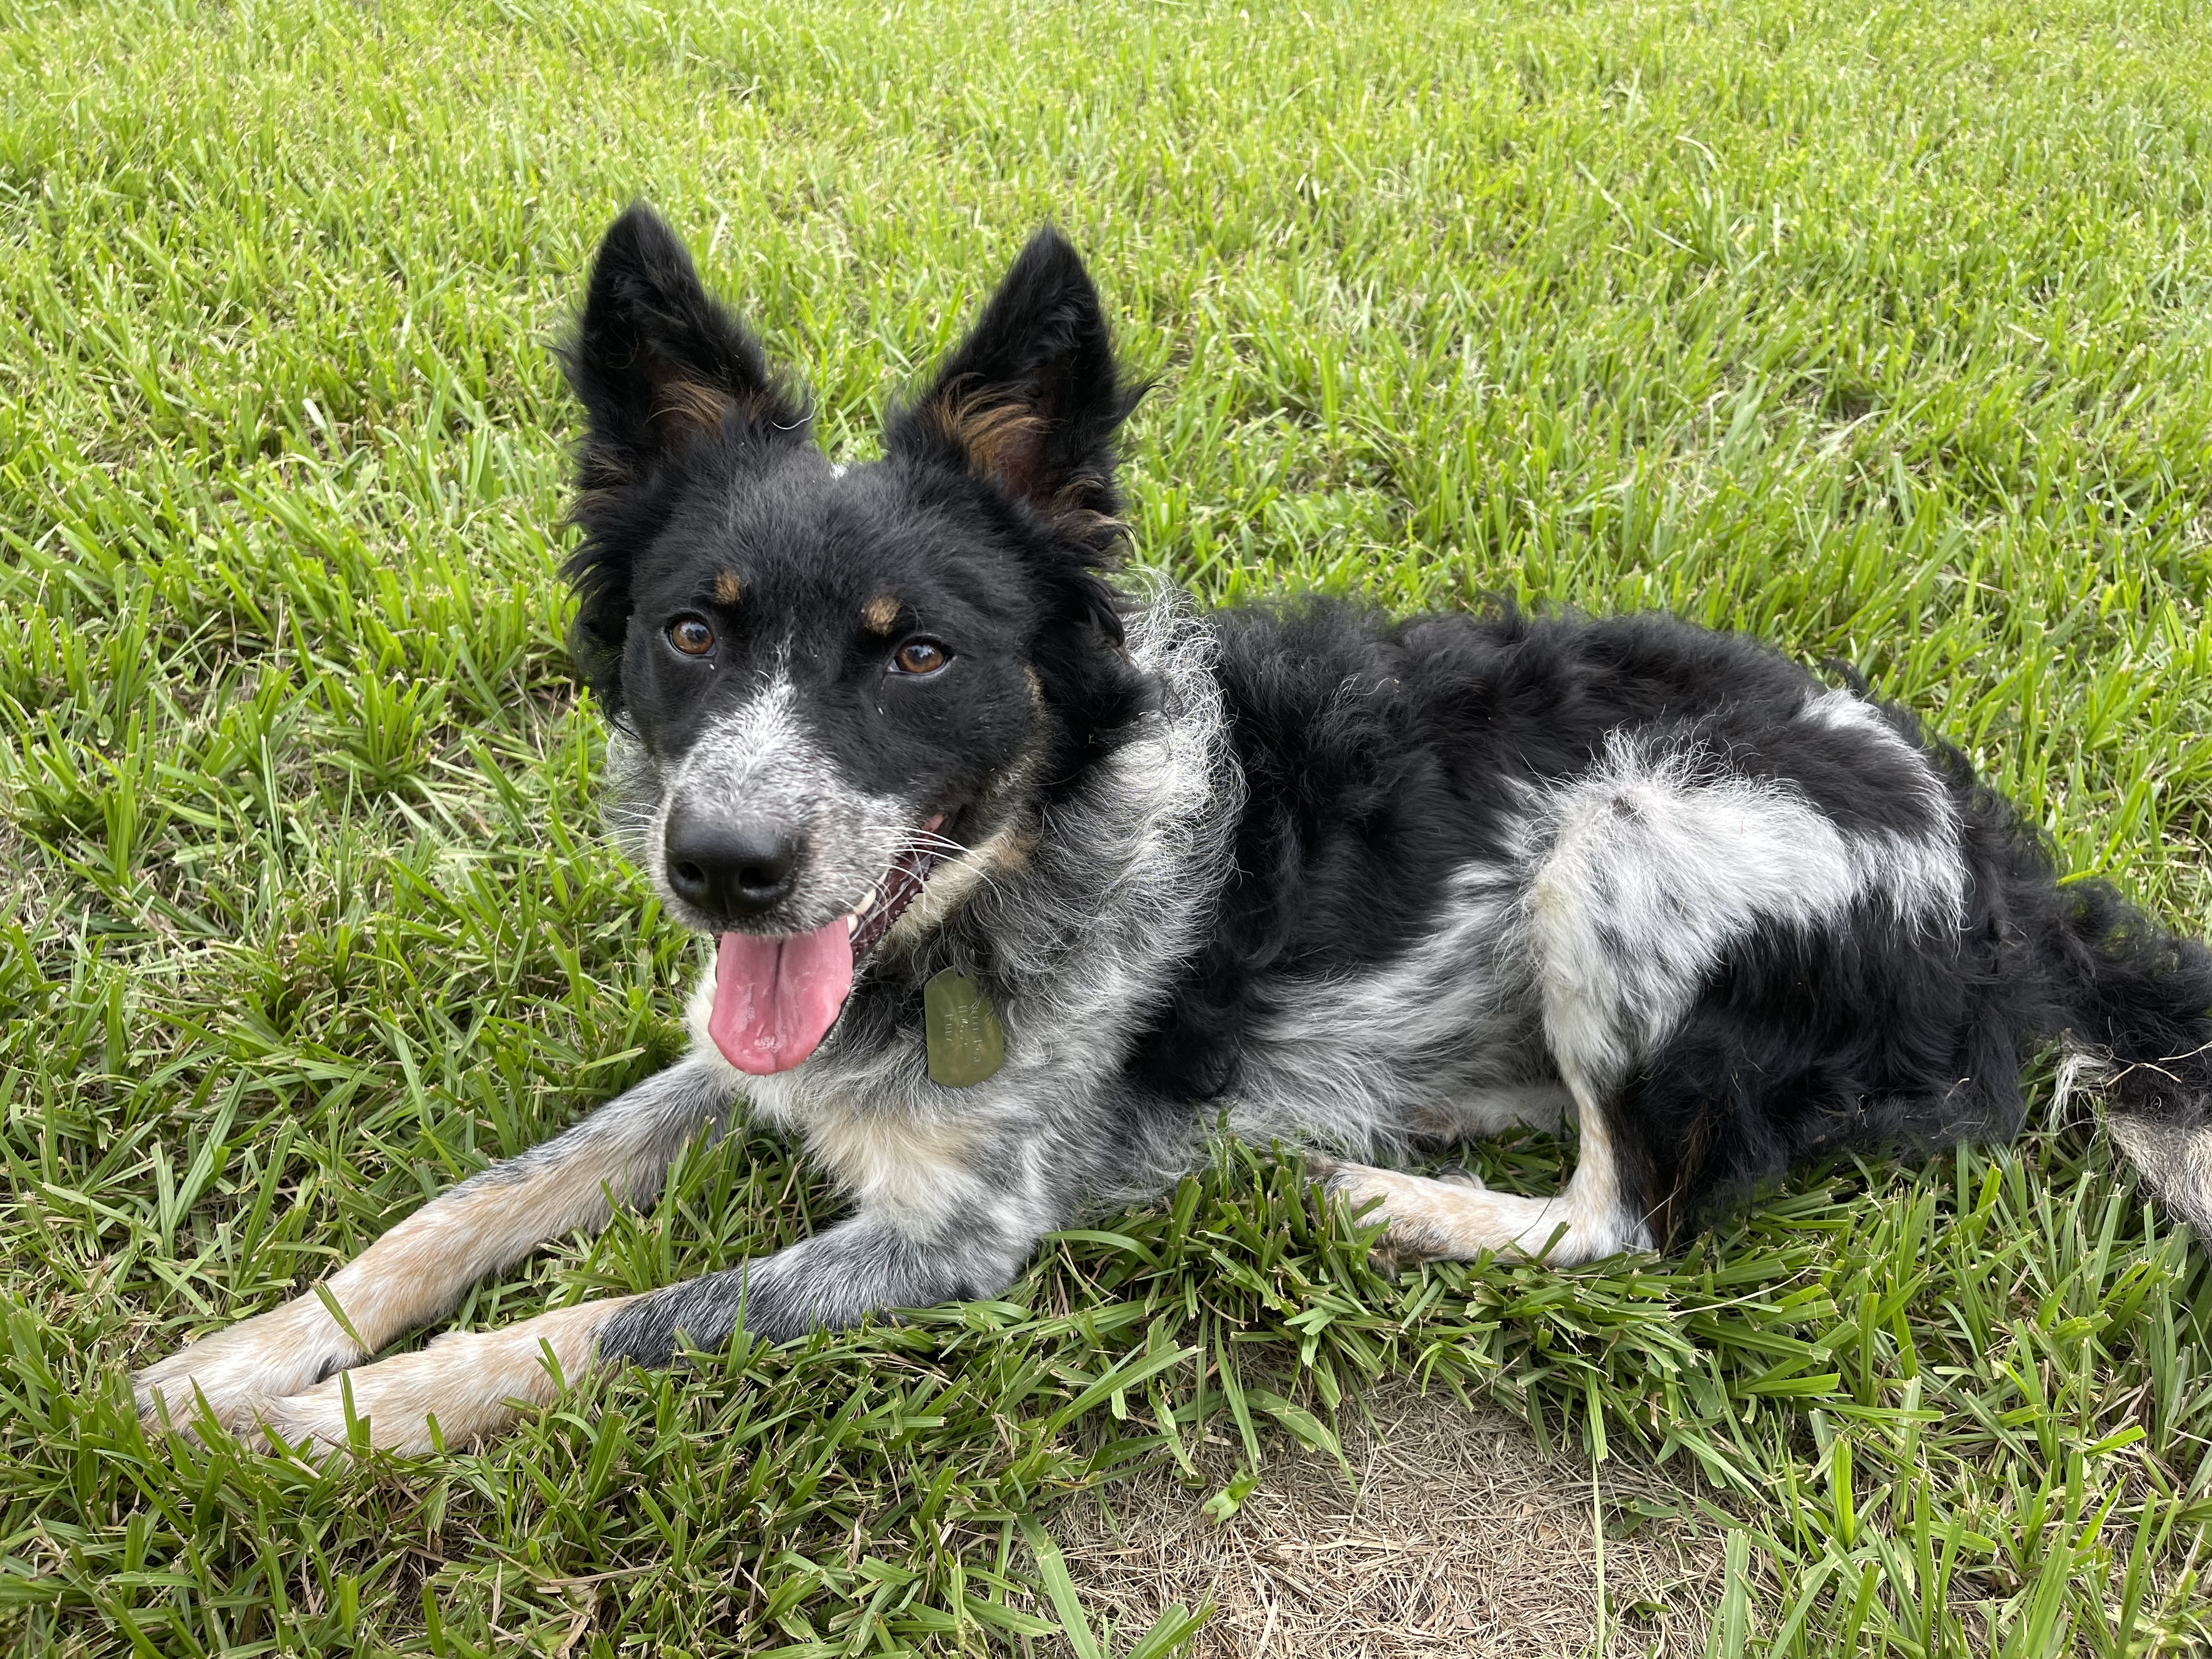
point(1020, 883)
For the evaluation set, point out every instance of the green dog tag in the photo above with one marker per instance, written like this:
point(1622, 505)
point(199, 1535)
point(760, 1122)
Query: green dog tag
point(966, 1044)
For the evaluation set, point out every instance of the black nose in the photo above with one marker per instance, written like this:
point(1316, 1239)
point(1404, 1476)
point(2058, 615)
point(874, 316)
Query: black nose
point(732, 871)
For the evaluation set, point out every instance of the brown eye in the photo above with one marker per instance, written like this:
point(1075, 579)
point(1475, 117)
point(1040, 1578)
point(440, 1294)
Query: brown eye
point(920, 657)
point(691, 636)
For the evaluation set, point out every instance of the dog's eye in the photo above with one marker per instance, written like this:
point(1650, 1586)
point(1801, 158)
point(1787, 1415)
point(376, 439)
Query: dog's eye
point(920, 657)
point(691, 636)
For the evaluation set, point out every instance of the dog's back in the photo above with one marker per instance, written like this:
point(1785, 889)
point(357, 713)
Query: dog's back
point(1777, 922)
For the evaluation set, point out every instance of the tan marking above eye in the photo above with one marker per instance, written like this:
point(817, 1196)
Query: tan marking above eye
point(879, 613)
point(727, 588)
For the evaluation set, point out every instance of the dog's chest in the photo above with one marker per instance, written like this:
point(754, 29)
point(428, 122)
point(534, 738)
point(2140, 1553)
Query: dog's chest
point(898, 1161)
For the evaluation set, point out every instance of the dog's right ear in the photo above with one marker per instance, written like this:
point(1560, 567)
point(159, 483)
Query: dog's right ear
point(665, 373)
point(658, 363)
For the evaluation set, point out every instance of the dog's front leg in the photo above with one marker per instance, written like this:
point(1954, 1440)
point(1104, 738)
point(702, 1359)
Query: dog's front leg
point(471, 1382)
point(422, 1267)
point(864, 1265)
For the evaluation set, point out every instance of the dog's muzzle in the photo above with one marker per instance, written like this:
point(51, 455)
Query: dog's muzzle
point(777, 996)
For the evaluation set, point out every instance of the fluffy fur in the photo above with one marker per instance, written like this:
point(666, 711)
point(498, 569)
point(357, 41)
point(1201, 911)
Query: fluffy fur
point(1355, 883)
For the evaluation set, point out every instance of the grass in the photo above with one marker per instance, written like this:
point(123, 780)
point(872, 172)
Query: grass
point(1880, 331)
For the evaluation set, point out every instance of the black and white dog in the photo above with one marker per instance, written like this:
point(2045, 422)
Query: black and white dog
point(1021, 884)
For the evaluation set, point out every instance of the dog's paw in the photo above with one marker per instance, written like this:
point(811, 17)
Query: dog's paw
point(1417, 1209)
point(237, 1370)
point(474, 1384)
point(395, 1399)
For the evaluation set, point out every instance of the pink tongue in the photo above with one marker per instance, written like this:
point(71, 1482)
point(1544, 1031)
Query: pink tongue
point(775, 999)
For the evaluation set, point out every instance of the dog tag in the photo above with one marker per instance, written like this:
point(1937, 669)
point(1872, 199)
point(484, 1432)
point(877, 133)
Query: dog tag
point(966, 1044)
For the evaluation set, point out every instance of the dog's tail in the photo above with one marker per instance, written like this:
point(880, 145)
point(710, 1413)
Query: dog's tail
point(2138, 1002)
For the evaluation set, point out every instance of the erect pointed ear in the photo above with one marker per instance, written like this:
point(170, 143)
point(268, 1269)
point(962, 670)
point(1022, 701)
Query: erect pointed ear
point(661, 367)
point(658, 362)
point(1031, 399)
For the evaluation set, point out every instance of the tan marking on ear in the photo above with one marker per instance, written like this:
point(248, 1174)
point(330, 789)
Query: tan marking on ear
point(879, 613)
point(990, 434)
point(1001, 441)
point(465, 1379)
point(727, 588)
point(911, 1165)
point(1086, 523)
point(683, 407)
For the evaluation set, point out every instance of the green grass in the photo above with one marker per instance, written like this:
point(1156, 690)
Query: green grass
point(1880, 331)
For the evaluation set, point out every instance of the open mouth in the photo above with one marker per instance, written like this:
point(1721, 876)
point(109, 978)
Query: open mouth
point(776, 999)
point(887, 902)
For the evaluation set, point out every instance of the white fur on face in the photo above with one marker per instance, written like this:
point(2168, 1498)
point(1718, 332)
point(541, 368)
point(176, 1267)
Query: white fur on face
point(1085, 923)
point(758, 761)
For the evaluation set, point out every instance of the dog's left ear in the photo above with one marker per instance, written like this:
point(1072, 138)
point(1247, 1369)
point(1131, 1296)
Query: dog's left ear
point(1031, 400)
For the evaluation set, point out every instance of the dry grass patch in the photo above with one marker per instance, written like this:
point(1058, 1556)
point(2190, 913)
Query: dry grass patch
point(1462, 1537)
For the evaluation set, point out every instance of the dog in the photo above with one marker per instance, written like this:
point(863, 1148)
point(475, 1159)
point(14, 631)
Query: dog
point(1024, 880)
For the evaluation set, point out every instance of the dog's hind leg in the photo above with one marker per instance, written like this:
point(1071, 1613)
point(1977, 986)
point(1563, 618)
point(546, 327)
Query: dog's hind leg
point(422, 1267)
point(1655, 866)
point(1455, 1217)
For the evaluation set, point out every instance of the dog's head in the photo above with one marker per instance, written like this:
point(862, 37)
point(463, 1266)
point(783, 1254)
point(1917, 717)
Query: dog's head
point(841, 692)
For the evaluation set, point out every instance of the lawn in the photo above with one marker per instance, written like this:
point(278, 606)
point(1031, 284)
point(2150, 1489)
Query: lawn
point(1881, 331)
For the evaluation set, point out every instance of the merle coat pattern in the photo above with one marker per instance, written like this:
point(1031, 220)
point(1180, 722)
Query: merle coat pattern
point(1355, 883)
